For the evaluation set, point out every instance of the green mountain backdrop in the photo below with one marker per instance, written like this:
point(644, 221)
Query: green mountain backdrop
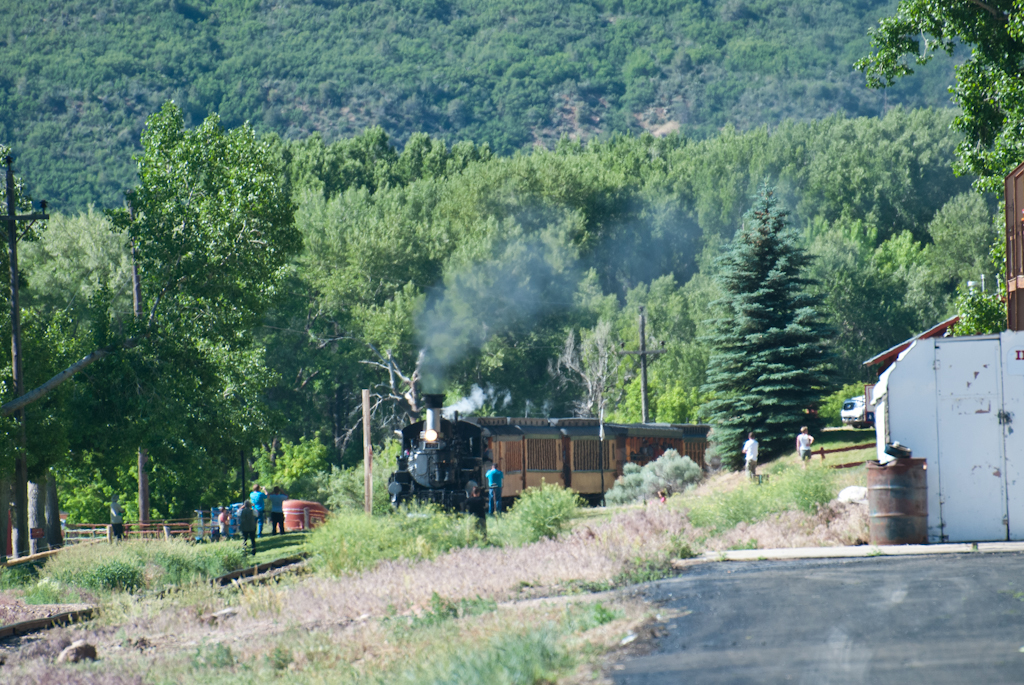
point(78, 78)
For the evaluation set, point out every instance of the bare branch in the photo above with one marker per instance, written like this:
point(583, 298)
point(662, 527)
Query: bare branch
point(43, 390)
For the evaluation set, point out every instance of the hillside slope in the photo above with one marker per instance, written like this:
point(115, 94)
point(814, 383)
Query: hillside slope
point(78, 78)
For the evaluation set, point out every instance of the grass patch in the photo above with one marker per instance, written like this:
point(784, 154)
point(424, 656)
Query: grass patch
point(273, 547)
point(140, 565)
point(351, 541)
point(790, 488)
point(543, 512)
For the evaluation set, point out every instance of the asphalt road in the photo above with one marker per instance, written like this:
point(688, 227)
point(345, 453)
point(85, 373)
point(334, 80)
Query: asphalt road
point(937, 619)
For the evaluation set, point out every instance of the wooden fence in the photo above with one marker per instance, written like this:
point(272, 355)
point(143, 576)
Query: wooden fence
point(163, 528)
point(822, 452)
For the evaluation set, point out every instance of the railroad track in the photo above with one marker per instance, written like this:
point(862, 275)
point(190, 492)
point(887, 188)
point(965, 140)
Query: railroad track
point(257, 573)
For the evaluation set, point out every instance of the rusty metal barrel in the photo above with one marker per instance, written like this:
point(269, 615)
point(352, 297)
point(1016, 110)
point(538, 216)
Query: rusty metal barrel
point(898, 502)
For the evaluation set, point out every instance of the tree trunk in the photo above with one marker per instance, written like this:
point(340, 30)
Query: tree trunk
point(36, 515)
point(21, 506)
point(5, 515)
point(143, 486)
point(54, 536)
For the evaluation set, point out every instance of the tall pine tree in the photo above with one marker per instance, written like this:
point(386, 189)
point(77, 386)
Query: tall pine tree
point(770, 358)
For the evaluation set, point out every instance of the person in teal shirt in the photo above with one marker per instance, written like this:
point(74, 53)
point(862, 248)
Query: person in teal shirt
point(259, 505)
point(277, 500)
point(495, 479)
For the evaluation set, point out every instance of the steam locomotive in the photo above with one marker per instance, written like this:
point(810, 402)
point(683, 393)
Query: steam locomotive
point(441, 460)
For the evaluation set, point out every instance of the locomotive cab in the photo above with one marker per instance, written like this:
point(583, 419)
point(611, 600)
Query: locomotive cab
point(439, 460)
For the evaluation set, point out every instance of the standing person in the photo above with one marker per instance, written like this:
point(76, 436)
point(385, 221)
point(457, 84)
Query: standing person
point(277, 510)
point(750, 456)
point(258, 497)
point(476, 506)
point(222, 521)
point(116, 517)
point(804, 440)
point(495, 479)
point(214, 528)
point(247, 525)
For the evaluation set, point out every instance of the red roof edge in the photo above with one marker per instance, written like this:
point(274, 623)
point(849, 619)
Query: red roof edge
point(890, 354)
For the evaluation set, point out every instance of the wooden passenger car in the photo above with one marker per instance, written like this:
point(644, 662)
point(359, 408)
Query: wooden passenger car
point(571, 453)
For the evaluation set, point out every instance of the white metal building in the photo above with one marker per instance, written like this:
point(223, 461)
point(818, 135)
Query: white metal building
point(959, 403)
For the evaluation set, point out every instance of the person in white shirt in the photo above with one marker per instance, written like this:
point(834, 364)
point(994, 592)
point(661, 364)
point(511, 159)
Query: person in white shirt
point(116, 518)
point(804, 440)
point(750, 456)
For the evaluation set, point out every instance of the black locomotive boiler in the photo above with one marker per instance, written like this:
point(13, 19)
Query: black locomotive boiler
point(441, 460)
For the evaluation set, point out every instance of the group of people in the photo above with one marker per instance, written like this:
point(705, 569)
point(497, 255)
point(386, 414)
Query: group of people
point(250, 518)
point(254, 509)
point(804, 440)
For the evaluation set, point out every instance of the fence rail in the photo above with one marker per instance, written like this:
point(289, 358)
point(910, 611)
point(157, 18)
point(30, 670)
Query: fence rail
point(822, 452)
point(165, 528)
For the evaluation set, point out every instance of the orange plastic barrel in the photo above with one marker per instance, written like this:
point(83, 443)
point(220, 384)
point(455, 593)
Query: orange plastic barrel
point(300, 514)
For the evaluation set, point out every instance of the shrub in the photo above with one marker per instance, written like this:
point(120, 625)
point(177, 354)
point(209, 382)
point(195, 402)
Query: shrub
point(542, 512)
point(340, 489)
point(352, 541)
point(789, 488)
point(133, 566)
point(670, 472)
point(833, 404)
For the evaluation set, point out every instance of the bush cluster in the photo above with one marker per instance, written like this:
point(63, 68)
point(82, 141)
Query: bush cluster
point(134, 566)
point(799, 489)
point(542, 512)
point(351, 541)
point(669, 473)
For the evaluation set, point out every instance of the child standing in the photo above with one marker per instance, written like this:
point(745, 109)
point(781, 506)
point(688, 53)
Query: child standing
point(804, 440)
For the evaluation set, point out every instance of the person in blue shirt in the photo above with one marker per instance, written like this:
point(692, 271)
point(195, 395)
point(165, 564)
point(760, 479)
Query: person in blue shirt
point(277, 500)
point(495, 479)
point(259, 504)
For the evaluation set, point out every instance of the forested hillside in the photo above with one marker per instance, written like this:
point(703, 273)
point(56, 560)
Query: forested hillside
point(519, 277)
point(78, 78)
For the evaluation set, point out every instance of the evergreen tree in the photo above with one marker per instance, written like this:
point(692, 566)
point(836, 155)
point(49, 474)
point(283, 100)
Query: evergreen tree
point(769, 359)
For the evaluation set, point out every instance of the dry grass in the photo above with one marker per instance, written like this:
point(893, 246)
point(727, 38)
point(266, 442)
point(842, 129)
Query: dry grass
point(362, 627)
point(835, 524)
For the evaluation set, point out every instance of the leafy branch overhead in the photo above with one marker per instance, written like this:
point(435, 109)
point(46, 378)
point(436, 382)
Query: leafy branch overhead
point(211, 229)
point(989, 85)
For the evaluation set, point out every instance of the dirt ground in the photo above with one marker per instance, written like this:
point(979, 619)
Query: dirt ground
point(14, 610)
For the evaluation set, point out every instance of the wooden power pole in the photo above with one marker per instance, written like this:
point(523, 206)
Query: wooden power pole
point(143, 454)
point(644, 353)
point(21, 462)
point(367, 455)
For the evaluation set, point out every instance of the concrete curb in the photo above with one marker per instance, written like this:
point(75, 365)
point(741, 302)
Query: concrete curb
point(858, 551)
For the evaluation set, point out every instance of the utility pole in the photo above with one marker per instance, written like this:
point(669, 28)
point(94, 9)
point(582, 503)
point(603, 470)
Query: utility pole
point(21, 461)
point(143, 455)
point(644, 353)
point(367, 456)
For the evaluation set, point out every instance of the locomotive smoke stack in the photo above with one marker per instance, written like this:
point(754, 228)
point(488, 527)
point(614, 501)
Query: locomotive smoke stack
point(434, 403)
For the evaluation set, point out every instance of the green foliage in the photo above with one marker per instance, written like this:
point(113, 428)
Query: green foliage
point(582, 617)
point(296, 462)
point(669, 473)
point(543, 512)
point(351, 541)
point(340, 489)
point(515, 657)
point(789, 488)
point(442, 610)
point(134, 566)
point(987, 84)
point(831, 405)
point(508, 73)
point(979, 312)
point(770, 352)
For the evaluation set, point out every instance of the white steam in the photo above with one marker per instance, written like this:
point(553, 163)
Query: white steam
point(476, 399)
